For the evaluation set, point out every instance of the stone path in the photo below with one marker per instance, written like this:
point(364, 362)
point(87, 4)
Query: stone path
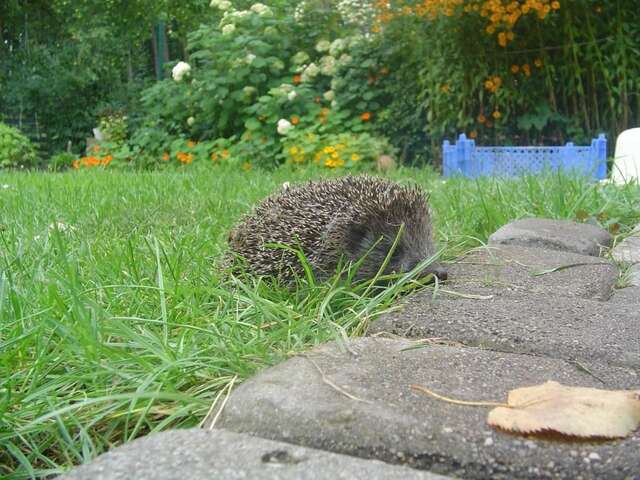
point(536, 304)
point(198, 454)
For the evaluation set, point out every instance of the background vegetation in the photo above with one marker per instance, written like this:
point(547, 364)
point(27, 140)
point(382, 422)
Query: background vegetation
point(408, 73)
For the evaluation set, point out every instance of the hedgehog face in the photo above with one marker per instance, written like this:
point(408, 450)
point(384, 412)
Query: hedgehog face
point(375, 240)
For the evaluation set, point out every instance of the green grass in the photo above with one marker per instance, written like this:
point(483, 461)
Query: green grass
point(119, 325)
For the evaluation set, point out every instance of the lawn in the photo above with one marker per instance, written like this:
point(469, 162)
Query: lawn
point(114, 321)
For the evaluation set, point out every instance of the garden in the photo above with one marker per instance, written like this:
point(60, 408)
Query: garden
point(134, 135)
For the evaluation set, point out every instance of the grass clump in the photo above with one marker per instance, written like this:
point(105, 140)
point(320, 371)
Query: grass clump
point(114, 322)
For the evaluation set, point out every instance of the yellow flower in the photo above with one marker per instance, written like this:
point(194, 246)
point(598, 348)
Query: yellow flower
point(355, 157)
point(515, 68)
point(293, 150)
point(555, 5)
point(334, 155)
point(538, 62)
point(214, 157)
point(329, 150)
point(496, 114)
point(191, 144)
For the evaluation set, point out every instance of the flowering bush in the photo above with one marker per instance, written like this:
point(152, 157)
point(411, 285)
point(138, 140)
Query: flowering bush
point(257, 78)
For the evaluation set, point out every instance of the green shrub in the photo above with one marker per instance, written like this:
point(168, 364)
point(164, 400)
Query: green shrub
point(16, 150)
point(60, 161)
point(260, 81)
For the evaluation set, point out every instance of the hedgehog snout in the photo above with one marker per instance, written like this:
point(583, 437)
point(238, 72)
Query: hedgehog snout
point(437, 270)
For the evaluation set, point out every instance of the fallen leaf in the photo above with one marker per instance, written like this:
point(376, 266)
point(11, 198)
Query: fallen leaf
point(573, 411)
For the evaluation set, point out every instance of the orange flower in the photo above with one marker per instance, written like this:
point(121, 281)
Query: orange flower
point(473, 134)
point(324, 112)
point(365, 117)
point(515, 68)
point(214, 157)
point(496, 114)
point(95, 148)
point(246, 166)
point(185, 158)
point(107, 160)
point(482, 118)
point(165, 157)
point(526, 69)
point(502, 39)
point(225, 153)
point(191, 144)
point(75, 164)
point(295, 120)
point(489, 85)
point(297, 78)
point(538, 62)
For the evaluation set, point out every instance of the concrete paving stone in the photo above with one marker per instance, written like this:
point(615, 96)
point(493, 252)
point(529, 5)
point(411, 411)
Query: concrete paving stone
point(356, 399)
point(628, 250)
point(553, 235)
point(634, 275)
point(504, 269)
point(198, 454)
point(588, 331)
point(628, 295)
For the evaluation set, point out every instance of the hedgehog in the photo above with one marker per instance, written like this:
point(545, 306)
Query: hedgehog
point(333, 221)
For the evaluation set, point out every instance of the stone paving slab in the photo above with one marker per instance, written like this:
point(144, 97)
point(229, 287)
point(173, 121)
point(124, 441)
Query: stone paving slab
point(588, 331)
point(553, 235)
point(629, 249)
point(308, 404)
point(634, 275)
point(629, 295)
point(198, 454)
point(504, 269)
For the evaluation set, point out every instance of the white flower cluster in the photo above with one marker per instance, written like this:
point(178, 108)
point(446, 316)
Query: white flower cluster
point(310, 72)
point(228, 29)
point(328, 65)
point(300, 58)
point(299, 12)
point(284, 126)
point(358, 13)
point(180, 70)
point(337, 46)
point(323, 46)
point(261, 9)
point(220, 4)
point(283, 90)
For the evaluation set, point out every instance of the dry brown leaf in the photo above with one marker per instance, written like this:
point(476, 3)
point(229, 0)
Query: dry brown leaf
point(574, 411)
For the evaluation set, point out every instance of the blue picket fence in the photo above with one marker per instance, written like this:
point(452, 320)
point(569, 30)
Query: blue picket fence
point(464, 158)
